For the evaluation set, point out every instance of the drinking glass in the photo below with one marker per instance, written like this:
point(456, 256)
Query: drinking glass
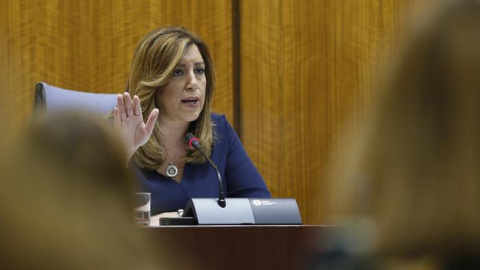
point(142, 208)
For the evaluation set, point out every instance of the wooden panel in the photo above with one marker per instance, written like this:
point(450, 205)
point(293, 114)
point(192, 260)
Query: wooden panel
point(87, 44)
point(307, 73)
point(245, 247)
point(283, 121)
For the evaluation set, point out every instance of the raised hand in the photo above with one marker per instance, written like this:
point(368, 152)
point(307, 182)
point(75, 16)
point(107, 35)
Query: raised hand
point(128, 121)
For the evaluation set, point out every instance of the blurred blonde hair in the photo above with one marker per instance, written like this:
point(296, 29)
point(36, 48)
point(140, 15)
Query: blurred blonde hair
point(66, 199)
point(153, 63)
point(419, 158)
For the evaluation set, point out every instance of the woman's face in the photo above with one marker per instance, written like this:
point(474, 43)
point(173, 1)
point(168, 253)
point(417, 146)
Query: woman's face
point(181, 100)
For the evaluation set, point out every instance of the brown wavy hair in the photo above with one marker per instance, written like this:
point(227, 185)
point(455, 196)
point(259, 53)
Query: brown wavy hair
point(154, 60)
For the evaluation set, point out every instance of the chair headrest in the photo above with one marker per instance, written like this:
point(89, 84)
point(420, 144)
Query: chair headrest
point(53, 99)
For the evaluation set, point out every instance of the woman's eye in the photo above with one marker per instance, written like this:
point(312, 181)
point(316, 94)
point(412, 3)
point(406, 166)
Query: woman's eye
point(178, 72)
point(199, 70)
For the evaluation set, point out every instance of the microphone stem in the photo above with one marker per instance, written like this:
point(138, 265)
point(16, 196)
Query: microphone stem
point(221, 196)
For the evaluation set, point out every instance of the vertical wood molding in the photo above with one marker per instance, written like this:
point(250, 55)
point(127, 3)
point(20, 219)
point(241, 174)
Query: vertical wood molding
point(237, 67)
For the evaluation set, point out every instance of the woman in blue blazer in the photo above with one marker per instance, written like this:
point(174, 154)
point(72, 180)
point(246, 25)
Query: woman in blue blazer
point(172, 80)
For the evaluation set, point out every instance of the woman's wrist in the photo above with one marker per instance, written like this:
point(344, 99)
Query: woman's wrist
point(129, 155)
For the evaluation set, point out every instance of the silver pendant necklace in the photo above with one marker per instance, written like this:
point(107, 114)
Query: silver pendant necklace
point(172, 170)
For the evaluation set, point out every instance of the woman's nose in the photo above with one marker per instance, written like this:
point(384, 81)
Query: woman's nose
point(192, 81)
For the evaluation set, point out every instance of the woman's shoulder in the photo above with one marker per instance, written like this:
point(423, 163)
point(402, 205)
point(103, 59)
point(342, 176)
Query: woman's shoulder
point(221, 126)
point(218, 119)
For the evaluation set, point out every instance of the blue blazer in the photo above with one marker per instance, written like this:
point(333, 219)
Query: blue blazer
point(239, 175)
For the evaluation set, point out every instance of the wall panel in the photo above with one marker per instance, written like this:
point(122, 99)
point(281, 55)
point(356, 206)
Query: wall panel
point(87, 44)
point(308, 69)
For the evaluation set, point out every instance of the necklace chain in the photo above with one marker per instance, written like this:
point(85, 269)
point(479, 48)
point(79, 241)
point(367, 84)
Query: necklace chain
point(176, 155)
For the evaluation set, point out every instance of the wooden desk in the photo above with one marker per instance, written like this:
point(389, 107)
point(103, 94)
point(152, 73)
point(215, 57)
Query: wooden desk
point(242, 247)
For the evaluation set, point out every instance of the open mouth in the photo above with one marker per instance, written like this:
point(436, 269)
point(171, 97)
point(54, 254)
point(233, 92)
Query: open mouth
point(191, 100)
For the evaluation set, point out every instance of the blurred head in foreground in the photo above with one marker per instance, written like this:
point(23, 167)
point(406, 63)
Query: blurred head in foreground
point(420, 157)
point(65, 199)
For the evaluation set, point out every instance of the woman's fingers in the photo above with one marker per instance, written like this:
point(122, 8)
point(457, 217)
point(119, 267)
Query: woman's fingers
point(117, 122)
point(128, 104)
point(121, 107)
point(127, 107)
point(152, 118)
point(137, 109)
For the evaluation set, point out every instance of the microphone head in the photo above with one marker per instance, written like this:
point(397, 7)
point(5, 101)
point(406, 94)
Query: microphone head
point(192, 140)
point(189, 136)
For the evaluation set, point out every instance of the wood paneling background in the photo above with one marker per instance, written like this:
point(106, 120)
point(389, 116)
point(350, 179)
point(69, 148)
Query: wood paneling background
point(306, 69)
point(87, 44)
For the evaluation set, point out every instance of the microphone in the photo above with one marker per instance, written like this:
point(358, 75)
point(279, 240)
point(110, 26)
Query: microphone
point(195, 143)
point(240, 211)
